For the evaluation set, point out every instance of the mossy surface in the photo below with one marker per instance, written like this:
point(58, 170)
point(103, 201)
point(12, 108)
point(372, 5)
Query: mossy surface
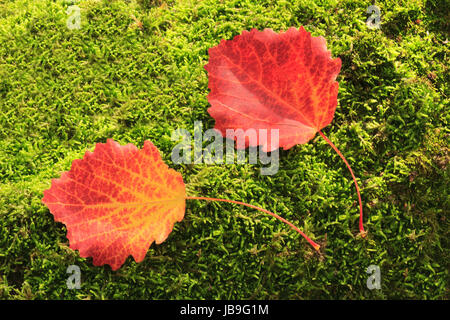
point(62, 91)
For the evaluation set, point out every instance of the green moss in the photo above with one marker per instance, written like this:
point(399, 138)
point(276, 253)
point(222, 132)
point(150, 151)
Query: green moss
point(62, 91)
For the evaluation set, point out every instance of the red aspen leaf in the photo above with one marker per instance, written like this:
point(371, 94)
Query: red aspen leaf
point(116, 201)
point(266, 80)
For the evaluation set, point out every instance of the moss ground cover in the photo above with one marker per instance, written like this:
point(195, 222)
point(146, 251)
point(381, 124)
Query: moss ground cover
point(63, 90)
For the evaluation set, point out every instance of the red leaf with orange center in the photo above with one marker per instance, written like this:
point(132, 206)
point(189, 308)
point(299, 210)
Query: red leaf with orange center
point(265, 80)
point(116, 201)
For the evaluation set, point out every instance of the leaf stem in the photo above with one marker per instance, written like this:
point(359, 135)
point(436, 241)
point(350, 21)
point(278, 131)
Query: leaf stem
point(315, 245)
point(361, 226)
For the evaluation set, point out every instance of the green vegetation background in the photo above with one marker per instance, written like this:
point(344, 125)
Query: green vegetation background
point(62, 91)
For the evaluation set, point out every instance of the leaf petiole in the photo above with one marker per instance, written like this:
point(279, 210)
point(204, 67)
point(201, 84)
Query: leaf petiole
point(315, 245)
point(361, 226)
